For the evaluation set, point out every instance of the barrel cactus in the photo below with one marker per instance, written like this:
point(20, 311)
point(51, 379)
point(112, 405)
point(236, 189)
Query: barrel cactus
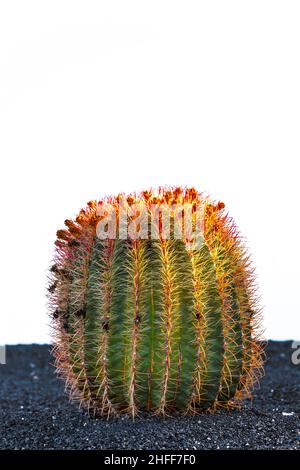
point(154, 322)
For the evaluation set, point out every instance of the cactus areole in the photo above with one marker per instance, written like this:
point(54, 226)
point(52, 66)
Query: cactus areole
point(153, 304)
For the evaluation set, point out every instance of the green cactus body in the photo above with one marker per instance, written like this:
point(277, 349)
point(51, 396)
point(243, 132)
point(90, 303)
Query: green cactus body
point(155, 323)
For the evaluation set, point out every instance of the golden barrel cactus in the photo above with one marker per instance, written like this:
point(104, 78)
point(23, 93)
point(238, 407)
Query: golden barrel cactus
point(149, 320)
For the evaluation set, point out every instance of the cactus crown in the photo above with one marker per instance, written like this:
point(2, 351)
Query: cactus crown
point(154, 323)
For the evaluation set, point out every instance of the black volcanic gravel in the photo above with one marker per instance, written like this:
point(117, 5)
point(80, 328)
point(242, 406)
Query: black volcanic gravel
point(35, 413)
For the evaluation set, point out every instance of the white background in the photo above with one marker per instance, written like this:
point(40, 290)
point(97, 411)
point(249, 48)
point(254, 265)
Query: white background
point(99, 97)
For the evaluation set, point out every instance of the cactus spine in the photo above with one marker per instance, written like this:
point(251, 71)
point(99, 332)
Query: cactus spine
point(155, 323)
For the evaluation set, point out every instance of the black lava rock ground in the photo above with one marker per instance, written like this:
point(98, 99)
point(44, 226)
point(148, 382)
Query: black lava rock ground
point(35, 413)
